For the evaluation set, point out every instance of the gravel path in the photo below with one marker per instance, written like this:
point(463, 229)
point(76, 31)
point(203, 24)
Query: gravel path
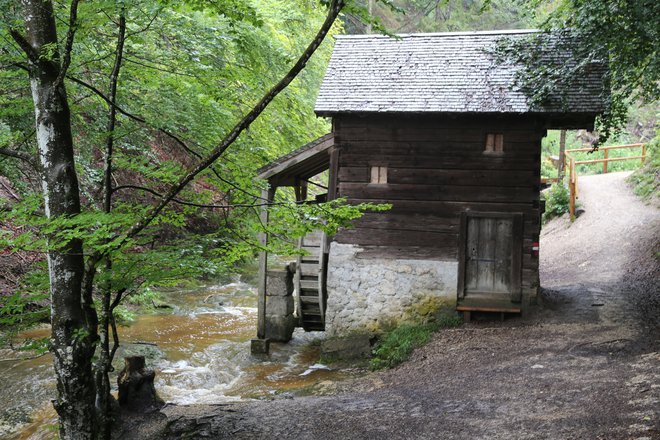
point(586, 365)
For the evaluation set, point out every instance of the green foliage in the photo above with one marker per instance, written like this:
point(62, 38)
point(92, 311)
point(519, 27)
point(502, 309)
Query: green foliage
point(191, 68)
point(646, 180)
point(623, 35)
point(640, 128)
point(395, 347)
point(123, 315)
point(404, 16)
point(290, 221)
point(144, 297)
point(557, 201)
point(26, 306)
point(548, 170)
point(38, 346)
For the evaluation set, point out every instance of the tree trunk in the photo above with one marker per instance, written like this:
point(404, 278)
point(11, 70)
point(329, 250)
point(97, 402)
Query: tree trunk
point(73, 319)
point(562, 155)
point(104, 399)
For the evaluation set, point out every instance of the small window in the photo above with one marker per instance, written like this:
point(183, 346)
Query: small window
point(378, 174)
point(494, 143)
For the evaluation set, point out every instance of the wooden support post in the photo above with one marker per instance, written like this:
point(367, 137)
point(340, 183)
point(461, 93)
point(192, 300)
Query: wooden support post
point(300, 190)
point(571, 187)
point(267, 195)
point(605, 156)
point(561, 166)
point(333, 171)
point(303, 190)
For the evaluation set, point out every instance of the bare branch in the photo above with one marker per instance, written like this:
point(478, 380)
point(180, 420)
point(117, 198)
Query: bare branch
point(68, 45)
point(20, 155)
point(167, 133)
point(132, 116)
point(112, 116)
point(148, 25)
point(198, 205)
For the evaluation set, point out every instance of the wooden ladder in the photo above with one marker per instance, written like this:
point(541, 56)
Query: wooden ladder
point(310, 281)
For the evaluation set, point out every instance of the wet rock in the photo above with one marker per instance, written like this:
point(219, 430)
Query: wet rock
point(259, 346)
point(352, 347)
point(137, 392)
point(161, 305)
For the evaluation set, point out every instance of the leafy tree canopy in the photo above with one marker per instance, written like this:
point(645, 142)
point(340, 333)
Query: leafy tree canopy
point(624, 34)
point(189, 71)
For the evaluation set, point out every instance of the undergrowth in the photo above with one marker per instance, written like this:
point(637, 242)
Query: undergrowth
point(646, 180)
point(557, 201)
point(396, 345)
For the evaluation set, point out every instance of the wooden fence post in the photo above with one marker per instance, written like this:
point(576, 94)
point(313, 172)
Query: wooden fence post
point(643, 153)
point(606, 151)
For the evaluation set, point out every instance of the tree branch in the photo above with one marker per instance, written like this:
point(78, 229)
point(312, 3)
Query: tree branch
point(198, 205)
point(68, 45)
point(167, 133)
point(23, 44)
point(334, 10)
point(132, 116)
point(112, 116)
point(20, 155)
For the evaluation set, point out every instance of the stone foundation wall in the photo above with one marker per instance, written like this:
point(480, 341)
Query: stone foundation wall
point(280, 321)
point(367, 294)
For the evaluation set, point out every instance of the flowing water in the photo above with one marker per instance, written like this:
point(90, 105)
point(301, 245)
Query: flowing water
point(200, 350)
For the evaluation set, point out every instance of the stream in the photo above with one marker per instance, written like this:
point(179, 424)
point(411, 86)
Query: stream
point(200, 349)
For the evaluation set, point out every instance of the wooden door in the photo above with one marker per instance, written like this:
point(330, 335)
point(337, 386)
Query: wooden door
point(491, 247)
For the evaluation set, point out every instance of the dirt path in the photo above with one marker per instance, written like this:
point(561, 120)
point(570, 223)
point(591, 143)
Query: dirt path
point(599, 246)
point(585, 366)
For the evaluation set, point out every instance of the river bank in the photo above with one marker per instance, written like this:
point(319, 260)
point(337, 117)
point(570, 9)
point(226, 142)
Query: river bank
point(199, 347)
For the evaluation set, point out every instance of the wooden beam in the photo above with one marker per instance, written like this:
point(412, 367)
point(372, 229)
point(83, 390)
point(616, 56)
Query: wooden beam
point(268, 195)
point(333, 174)
point(488, 309)
point(609, 147)
point(611, 159)
point(326, 142)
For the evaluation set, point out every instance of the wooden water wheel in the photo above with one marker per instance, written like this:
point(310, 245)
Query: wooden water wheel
point(310, 282)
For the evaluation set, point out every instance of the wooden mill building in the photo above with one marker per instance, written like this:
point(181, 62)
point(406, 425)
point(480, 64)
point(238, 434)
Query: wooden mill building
point(435, 126)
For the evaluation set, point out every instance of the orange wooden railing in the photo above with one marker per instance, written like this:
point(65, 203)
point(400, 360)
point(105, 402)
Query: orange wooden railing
point(572, 171)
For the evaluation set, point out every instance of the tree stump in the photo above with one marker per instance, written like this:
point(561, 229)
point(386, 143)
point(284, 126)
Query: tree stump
point(137, 392)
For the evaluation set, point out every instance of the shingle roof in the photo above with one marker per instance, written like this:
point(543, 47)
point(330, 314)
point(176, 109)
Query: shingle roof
point(443, 72)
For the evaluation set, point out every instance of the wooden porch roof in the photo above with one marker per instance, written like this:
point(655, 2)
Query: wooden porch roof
point(301, 164)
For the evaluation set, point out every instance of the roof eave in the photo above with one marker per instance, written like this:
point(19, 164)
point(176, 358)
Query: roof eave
point(297, 157)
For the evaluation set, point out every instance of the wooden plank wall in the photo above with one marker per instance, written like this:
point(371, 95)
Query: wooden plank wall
point(437, 169)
